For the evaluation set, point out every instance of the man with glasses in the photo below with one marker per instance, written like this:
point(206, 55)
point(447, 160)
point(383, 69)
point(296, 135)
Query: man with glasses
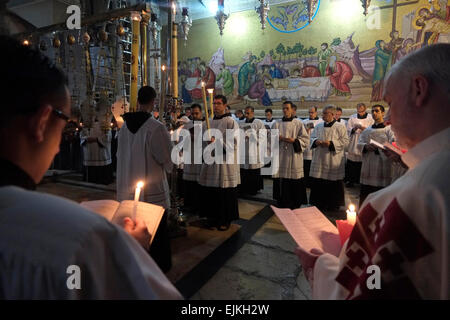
point(41, 236)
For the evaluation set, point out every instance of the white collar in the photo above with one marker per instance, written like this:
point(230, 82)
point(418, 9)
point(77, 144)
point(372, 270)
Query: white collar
point(426, 148)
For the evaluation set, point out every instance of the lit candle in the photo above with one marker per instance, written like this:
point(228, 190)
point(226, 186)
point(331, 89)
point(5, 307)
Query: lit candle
point(351, 214)
point(211, 92)
point(137, 193)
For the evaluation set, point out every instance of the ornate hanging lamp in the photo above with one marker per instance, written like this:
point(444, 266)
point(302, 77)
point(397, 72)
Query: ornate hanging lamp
point(221, 17)
point(311, 6)
point(365, 5)
point(263, 11)
point(154, 27)
point(186, 24)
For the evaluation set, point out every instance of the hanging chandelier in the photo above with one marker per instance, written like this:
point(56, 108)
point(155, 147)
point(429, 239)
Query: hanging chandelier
point(311, 6)
point(186, 24)
point(365, 5)
point(154, 27)
point(263, 11)
point(221, 17)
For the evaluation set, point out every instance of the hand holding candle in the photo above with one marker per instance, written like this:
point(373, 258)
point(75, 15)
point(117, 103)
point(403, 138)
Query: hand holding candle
point(351, 214)
point(345, 227)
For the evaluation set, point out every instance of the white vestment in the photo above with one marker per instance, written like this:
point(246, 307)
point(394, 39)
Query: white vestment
point(269, 124)
point(97, 153)
point(308, 153)
point(354, 153)
point(376, 169)
point(144, 156)
point(403, 229)
point(291, 162)
point(191, 170)
point(326, 164)
point(252, 151)
point(226, 175)
point(47, 243)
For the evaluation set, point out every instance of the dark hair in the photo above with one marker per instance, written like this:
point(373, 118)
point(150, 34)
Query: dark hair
point(379, 106)
point(315, 108)
point(339, 109)
point(251, 108)
point(268, 110)
point(146, 95)
point(221, 97)
point(290, 103)
point(32, 80)
point(187, 108)
point(196, 106)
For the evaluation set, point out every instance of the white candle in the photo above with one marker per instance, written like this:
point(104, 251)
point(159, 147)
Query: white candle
point(351, 214)
point(137, 193)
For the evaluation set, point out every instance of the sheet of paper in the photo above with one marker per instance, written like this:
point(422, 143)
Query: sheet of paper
point(105, 208)
point(150, 213)
point(310, 229)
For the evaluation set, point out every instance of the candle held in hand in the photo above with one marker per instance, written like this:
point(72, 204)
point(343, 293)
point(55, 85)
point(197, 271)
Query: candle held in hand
point(137, 194)
point(351, 214)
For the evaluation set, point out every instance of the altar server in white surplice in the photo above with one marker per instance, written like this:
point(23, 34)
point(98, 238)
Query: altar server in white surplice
point(399, 247)
point(293, 140)
point(191, 171)
point(356, 124)
point(251, 179)
point(329, 140)
point(269, 121)
point(376, 170)
point(96, 144)
point(144, 154)
point(309, 124)
point(52, 248)
point(220, 180)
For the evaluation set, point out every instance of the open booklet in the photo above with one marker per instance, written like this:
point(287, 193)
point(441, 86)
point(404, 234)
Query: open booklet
point(115, 212)
point(310, 229)
point(386, 146)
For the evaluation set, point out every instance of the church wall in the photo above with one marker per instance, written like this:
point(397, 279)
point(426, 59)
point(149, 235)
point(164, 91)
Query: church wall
point(352, 42)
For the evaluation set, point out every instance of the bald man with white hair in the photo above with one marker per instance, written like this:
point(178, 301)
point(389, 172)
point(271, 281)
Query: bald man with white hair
point(402, 230)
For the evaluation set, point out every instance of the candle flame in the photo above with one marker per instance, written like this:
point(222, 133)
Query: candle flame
point(163, 68)
point(210, 90)
point(26, 42)
point(174, 9)
point(140, 184)
point(351, 207)
point(203, 84)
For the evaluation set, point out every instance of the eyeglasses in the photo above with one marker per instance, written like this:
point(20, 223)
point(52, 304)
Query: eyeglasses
point(61, 115)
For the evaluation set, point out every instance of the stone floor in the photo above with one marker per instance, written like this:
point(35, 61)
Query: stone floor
point(256, 261)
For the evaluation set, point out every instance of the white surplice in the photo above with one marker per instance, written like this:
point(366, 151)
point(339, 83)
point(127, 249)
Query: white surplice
point(97, 153)
point(354, 153)
point(144, 156)
point(269, 124)
point(403, 229)
point(291, 162)
point(41, 236)
point(308, 153)
point(326, 164)
point(252, 151)
point(191, 170)
point(225, 175)
point(376, 169)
